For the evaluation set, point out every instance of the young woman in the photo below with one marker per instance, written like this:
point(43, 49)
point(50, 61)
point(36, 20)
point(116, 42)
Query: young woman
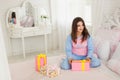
point(79, 45)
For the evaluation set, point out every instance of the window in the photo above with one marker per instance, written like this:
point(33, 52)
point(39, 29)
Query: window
point(81, 8)
point(87, 15)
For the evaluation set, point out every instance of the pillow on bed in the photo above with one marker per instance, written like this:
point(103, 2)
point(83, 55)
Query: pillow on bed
point(96, 42)
point(112, 35)
point(113, 46)
point(101, 48)
point(104, 50)
point(114, 62)
point(116, 54)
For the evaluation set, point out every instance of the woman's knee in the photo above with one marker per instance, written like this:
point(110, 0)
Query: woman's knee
point(95, 63)
point(65, 64)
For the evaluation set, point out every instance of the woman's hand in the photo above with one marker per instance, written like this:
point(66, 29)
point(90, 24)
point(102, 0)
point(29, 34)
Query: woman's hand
point(88, 59)
point(70, 60)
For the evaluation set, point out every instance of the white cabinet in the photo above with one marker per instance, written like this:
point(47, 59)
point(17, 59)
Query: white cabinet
point(29, 32)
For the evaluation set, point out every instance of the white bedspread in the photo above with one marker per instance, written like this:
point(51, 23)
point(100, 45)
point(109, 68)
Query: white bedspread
point(25, 70)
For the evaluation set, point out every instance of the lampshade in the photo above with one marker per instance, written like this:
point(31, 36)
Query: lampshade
point(43, 12)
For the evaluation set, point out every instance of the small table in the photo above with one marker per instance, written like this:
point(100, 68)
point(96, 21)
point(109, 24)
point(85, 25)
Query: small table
point(22, 32)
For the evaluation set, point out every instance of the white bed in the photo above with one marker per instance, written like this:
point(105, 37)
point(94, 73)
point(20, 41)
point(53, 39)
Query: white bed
point(25, 70)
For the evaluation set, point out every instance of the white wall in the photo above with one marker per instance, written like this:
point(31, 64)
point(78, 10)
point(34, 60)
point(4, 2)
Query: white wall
point(109, 7)
point(5, 5)
point(102, 9)
point(4, 68)
point(31, 43)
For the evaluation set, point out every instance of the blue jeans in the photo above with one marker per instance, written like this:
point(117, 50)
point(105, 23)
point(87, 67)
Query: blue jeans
point(95, 62)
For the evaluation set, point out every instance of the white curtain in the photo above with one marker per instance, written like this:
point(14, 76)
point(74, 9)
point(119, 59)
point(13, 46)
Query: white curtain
point(62, 21)
point(97, 13)
point(62, 14)
point(59, 15)
point(4, 69)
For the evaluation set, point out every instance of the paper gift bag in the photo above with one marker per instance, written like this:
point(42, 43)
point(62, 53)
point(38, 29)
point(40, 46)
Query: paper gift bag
point(40, 60)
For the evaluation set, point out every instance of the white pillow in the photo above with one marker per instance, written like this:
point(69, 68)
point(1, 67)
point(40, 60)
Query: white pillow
point(104, 50)
point(96, 42)
point(114, 65)
point(116, 54)
point(114, 62)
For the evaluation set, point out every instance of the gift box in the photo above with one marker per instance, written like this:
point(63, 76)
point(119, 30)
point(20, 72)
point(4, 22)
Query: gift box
point(80, 65)
point(50, 70)
point(53, 71)
point(40, 61)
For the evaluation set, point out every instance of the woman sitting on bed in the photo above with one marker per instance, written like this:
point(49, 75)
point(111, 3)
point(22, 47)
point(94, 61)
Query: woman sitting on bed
point(79, 45)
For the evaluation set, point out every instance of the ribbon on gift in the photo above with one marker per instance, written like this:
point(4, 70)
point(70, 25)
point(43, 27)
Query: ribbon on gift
point(41, 60)
point(83, 64)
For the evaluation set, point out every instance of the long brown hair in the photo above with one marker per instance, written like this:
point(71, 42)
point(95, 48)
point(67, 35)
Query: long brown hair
point(85, 32)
